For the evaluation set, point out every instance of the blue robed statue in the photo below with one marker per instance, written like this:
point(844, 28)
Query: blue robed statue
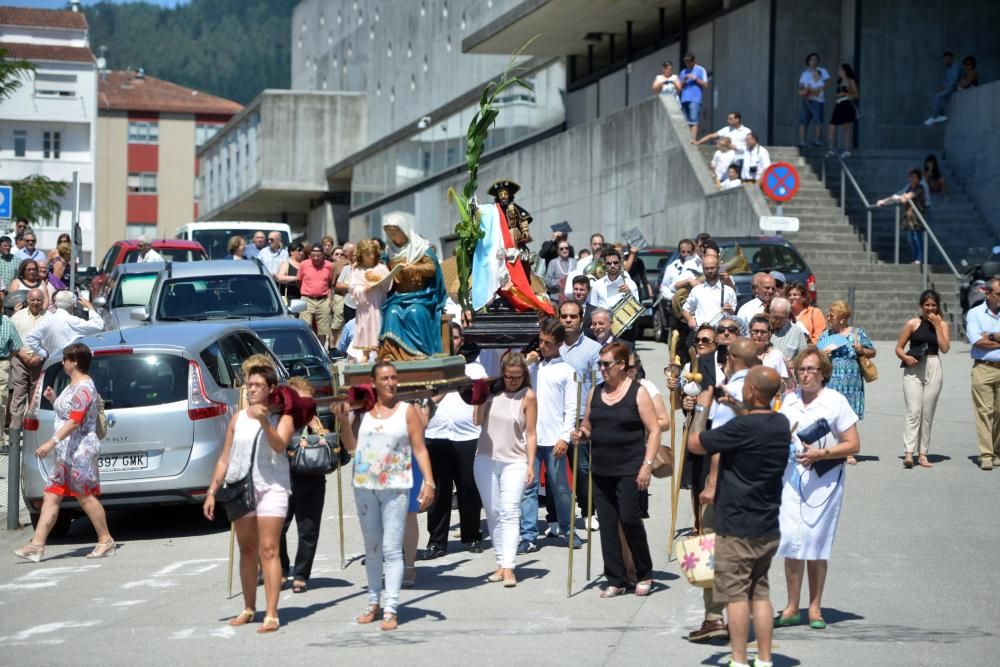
point(411, 315)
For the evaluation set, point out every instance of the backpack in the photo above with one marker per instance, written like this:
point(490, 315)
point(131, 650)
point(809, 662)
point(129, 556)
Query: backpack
point(102, 420)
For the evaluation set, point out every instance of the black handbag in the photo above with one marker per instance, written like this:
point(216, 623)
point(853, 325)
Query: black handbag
point(813, 433)
point(918, 352)
point(316, 454)
point(238, 497)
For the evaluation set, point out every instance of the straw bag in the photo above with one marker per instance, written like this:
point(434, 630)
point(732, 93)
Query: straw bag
point(869, 371)
point(696, 556)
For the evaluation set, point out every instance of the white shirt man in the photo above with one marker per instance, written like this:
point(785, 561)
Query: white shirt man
point(709, 300)
point(30, 249)
point(273, 255)
point(146, 252)
point(609, 290)
point(58, 329)
point(257, 243)
point(756, 159)
point(765, 288)
point(735, 131)
point(675, 269)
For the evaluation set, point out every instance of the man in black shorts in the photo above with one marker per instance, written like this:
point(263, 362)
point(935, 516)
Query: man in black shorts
point(754, 449)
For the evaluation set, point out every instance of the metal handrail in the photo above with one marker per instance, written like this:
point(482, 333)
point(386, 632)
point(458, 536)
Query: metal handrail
point(845, 174)
point(929, 232)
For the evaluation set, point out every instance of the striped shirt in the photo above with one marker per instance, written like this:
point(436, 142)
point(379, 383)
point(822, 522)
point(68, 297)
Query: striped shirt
point(10, 342)
point(8, 270)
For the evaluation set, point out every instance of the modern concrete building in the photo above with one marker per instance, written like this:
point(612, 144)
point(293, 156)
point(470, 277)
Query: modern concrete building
point(48, 126)
point(148, 131)
point(590, 144)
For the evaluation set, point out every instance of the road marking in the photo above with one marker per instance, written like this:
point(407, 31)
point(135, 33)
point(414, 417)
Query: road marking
point(25, 636)
point(46, 578)
point(182, 568)
point(222, 632)
point(127, 603)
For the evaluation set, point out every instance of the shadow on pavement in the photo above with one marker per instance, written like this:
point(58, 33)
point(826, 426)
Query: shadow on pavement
point(154, 523)
point(862, 458)
point(722, 658)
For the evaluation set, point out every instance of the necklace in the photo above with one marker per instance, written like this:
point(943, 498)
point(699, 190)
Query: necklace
point(616, 393)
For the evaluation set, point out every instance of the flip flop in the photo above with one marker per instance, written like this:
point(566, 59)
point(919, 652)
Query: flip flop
point(299, 587)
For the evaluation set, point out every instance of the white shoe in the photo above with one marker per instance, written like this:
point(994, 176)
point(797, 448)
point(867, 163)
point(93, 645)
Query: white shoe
point(594, 524)
point(552, 530)
point(940, 119)
point(830, 153)
point(930, 121)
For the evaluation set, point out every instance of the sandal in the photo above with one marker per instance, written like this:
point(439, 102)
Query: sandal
point(924, 463)
point(908, 461)
point(109, 549)
point(643, 587)
point(270, 624)
point(495, 578)
point(299, 586)
point(371, 613)
point(389, 621)
point(245, 616)
point(31, 552)
point(613, 591)
point(851, 461)
point(511, 582)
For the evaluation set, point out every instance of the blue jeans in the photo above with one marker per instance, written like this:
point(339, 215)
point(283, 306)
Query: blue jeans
point(938, 100)
point(691, 111)
point(556, 482)
point(382, 513)
point(916, 239)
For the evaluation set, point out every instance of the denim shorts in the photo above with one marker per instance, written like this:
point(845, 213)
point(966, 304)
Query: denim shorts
point(811, 110)
point(691, 111)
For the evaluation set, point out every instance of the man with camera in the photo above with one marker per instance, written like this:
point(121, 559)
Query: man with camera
point(757, 160)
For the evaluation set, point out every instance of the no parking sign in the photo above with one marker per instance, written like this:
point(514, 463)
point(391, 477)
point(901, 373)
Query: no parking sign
point(780, 182)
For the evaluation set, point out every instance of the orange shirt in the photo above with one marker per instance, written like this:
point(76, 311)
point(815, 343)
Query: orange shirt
point(315, 283)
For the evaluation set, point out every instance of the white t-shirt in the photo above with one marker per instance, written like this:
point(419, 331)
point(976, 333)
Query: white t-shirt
point(738, 136)
point(345, 277)
point(746, 313)
point(759, 158)
point(604, 292)
point(732, 184)
point(453, 418)
point(555, 386)
point(705, 301)
point(720, 163)
point(773, 358)
point(806, 81)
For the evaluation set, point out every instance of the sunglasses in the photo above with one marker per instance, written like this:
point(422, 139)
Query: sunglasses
point(606, 364)
point(728, 330)
point(704, 340)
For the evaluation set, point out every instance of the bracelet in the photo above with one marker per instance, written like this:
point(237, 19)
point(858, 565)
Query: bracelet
point(430, 484)
point(647, 462)
point(700, 408)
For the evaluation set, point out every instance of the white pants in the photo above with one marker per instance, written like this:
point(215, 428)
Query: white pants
point(500, 488)
point(921, 387)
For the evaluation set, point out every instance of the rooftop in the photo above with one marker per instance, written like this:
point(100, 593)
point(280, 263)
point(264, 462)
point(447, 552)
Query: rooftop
point(36, 52)
point(128, 91)
point(42, 18)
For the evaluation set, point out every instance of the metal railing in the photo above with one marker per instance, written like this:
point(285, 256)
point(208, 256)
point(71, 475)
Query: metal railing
point(928, 232)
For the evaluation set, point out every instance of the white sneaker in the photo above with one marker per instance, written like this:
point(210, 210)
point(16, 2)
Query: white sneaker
point(940, 119)
point(830, 153)
point(594, 523)
point(552, 530)
point(930, 121)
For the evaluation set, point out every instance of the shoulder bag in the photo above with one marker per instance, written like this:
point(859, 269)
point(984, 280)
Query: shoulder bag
point(238, 497)
point(696, 555)
point(869, 371)
point(314, 454)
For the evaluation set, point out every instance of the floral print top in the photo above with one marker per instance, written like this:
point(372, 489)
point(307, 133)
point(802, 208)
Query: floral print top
point(74, 471)
point(384, 459)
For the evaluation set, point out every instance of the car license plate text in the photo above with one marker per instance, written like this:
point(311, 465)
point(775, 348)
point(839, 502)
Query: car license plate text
point(123, 462)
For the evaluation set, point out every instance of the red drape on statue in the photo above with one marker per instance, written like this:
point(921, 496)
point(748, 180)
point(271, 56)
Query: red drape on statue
point(519, 294)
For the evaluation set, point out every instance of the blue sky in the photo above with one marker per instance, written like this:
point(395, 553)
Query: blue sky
point(62, 4)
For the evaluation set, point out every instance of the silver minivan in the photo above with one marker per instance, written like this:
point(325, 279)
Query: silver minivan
point(169, 392)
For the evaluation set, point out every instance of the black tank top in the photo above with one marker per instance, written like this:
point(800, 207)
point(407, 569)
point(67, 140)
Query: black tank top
point(291, 290)
point(617, 435)
point(925, 333)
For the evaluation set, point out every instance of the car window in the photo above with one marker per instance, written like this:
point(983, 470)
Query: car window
point(130, 380)
point(218, 297)
point(107, 264)
point(291, 344)
point(216, 241)
point(234, 351)
point(168, 255)
point(218, 367)
point(133, 290)
point(771, 258)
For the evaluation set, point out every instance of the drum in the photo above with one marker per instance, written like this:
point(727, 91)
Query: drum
point(625, 313)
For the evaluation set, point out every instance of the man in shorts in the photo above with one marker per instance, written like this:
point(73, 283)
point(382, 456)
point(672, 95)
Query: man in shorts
point(754, 451)
point(694, 81)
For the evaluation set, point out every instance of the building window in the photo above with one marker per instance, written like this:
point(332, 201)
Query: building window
point(143, 132)
point(142, 183)
point(203, 132)
point(134, 230)
point(20, 142)
point(55, 85)
point(51, 144)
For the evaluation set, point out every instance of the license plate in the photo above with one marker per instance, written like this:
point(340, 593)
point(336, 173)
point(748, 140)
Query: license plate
point(123, 462)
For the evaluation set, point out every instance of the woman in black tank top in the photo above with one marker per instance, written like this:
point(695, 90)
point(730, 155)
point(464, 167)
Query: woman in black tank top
point(287, 276)
point(624, 434)
point(927, 337)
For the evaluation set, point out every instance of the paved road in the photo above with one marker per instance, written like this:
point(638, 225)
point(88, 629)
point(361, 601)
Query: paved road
point(912, 582)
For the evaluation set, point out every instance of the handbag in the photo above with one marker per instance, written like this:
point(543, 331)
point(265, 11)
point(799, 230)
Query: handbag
point(869, 371)
point(813, 433)
point(238, 497)
point(918, 352)
point(696, 554)
point(315, 454)
point(663, 462)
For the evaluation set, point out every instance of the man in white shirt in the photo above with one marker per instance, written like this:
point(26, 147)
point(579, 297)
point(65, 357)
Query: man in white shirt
point(555, 386)
point(612, 288)
point(764, 289)
point(756, 161)
point(737, 133)
point(451, 437)
point(146, 252)
point(673, 271)
point(257, 243)
point(58, 329)
point(600, 329)
point(273, 255)
point(30, 249)
point(709, 301)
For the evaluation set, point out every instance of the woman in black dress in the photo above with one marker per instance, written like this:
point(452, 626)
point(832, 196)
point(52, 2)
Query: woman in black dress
point(846, 111)
point(287, 276)
point(624, 434)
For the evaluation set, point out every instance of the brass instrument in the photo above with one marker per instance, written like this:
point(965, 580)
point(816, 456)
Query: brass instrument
point(736, 264)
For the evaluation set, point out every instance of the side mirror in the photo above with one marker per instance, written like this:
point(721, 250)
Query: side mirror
point(139, 314)
point(297, 306)
point(100, 302)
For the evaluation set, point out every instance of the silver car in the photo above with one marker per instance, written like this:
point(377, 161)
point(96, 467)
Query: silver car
point(169, 392)
point(129, 286)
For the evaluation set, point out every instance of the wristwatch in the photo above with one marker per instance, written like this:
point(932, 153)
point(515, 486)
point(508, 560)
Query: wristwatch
point(700, 408)
point(992, 338)
point(647, 462)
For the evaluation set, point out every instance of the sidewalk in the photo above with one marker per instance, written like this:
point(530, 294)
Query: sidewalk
point(23, 511)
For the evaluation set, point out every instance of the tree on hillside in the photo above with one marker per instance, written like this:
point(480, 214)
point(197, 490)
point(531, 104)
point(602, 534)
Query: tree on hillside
point(36, 198)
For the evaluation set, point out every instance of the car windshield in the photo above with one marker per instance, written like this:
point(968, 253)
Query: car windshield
point(221, 297)
point(766, 257)
point(130, 380)
point(216, 241)
point(133, 290)
point(298, 350)
point(168, 255)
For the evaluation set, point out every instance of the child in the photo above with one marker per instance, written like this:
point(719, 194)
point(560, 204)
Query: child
point(723, 157)
point(368, 295)
point(732, 178)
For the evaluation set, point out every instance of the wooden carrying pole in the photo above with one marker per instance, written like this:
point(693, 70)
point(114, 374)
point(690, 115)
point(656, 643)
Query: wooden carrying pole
point(340, 482)
point(590, 489)
point(571, 537)
point(678, 460)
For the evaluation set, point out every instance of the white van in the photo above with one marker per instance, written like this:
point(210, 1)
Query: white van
point(214, 236)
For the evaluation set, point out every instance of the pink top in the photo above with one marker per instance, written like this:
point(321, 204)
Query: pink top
point(502, 438)
point(315, 283)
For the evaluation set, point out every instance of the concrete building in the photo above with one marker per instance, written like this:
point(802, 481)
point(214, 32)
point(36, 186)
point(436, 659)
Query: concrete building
point(148, 131)
point(48, 126)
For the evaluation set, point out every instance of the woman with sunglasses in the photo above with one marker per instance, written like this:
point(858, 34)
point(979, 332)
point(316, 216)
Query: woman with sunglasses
point(623, 431)
point(505, 460)
point(28, 279)
point(63, 238)
point(824, 435)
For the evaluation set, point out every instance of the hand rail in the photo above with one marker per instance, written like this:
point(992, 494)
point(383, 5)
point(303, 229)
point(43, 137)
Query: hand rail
point(929, 232)
point(845, 173)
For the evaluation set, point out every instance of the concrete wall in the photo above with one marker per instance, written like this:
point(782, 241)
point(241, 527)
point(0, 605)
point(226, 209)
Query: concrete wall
point(112, 179)
point(740, 76)
point(972, 147)
point(175, 179)
point(632, 168)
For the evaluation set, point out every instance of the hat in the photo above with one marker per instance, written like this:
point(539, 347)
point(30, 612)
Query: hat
point(778, 276)
point(507, 184)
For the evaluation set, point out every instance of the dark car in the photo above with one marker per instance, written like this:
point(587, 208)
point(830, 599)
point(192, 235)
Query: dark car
point(655, 259)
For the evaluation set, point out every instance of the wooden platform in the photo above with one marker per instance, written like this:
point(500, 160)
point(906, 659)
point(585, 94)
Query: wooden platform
point(416, 378)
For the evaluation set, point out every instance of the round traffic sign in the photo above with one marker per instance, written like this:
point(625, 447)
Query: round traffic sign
point(780, 181)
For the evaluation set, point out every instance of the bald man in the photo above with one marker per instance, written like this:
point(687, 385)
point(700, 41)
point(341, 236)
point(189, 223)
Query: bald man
point(754, 450)
point(764, 289)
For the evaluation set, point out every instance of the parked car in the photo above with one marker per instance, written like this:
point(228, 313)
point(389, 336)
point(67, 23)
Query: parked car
point(655, 258)
point(129, 286)
point(214, 236)
point(122, 252)
point(168, 392)
point(302, 354)
point(214, 290)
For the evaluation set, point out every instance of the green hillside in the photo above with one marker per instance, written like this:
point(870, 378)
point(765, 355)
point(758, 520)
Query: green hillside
point(230, 48)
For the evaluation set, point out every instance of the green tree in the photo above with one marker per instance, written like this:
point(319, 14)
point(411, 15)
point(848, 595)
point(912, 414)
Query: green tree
point(36, 197)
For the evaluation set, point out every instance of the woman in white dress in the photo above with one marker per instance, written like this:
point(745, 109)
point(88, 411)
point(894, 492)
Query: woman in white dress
point(813, 486)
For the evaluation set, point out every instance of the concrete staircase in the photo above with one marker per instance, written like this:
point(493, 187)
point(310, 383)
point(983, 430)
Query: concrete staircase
point(885, 294)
